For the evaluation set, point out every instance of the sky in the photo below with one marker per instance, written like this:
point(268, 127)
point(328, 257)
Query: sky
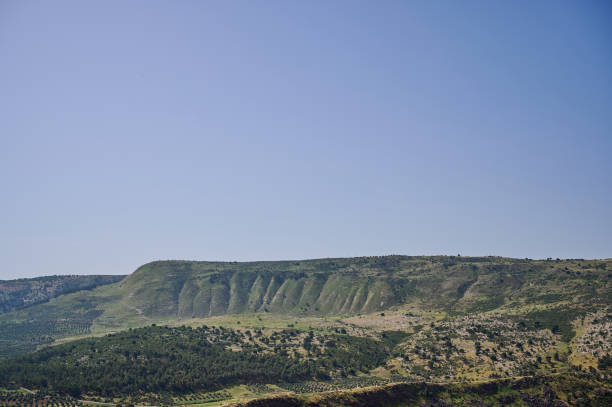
point(264, 130)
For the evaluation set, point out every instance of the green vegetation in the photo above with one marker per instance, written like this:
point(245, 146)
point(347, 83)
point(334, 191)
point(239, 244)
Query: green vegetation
point(605, 362)
point(167, 291)
point(581, 390)
point(17, 397)
point(360, 285)
point(228, 332)
point(178, 360)
point(558, 320)
point(25, 292)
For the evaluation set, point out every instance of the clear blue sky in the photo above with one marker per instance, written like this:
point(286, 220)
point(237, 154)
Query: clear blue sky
point(260, 130)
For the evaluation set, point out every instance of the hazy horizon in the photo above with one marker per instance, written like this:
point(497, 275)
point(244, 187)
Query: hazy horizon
point(250, 131)
point(303, 259)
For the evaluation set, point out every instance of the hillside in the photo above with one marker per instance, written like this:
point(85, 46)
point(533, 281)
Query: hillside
point(25, 292)
point(281, 333)
point(200, 359)
point(210, 365)
point(362, 285)
point(580, 389)
point(185, 365)
point(167, 291)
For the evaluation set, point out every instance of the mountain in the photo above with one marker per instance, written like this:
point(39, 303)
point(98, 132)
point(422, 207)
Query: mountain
point(466, 329)
point(165, 291)
point(25, 292)
point(188, 289)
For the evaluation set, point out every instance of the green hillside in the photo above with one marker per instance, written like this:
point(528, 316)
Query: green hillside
point(25, 292)
point(285, 331)
point(553, 292)
point(178, 366)
point(362, 285)
point(200, 359)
